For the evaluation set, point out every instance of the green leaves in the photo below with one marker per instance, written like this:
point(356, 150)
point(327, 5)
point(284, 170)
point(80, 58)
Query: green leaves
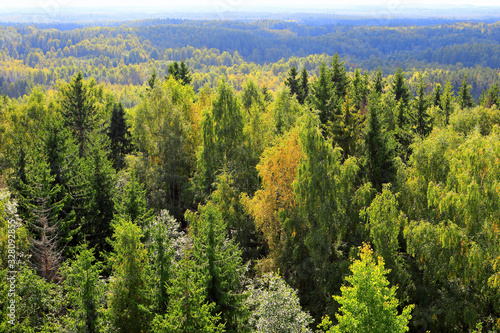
point(367, 303)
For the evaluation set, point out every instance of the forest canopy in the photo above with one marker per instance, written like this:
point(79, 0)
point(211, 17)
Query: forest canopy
point(266, 176)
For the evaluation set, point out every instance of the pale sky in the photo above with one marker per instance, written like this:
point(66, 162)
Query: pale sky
point(234, 4)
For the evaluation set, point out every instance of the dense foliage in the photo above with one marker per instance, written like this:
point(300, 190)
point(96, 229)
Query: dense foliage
point(211, 194)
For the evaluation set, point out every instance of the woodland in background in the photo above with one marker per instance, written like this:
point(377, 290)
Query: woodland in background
point(306, 195)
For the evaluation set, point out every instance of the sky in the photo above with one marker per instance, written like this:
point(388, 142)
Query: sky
point(230, 5)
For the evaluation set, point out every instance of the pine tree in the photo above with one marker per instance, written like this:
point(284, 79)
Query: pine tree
point(128, 297)
point(492, 96)
point(378, 82)
point(447, 101)
point(422, 118)
point(222, 259)
point(39, 197)
point(322, 95)
point(400, 89)
point(83, 290)
point(79, 110)
point(180, 72)
point(120, 137)
point(464, 97)
point(292, 82)
point(436, 96)
point(303, 92)
point(100, 180)
point(222, 131)
point(376, 149)
point(338, 76)
point(345, 129)
point(188, 311)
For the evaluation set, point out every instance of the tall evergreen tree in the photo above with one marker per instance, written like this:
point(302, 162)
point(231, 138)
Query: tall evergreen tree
point(222, 131)
point(292, 81)
point(188, 310)
point(378, 82)
point(128, 297)
point(464, 97)
point(492, 96)
point(338, 76)
point(400, 88)
point(83, 290)
point(303, 92)
point(376, 146)
point(423, 123)
point(222, 259)
point(447, 101)
point(79, 110)
point(100, 180)
point(436, 96)
point(40, 199)
point(120, 137)
point(322, 95)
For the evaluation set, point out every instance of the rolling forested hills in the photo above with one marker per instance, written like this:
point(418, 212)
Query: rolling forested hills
point(299, 175)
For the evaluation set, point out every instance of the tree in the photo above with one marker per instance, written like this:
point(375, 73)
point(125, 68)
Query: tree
point(385, 223)
point(436, 96)
point(492, 96)
point(251, 96)
point(322, 95)
point(447, 101)
point(39, 199)
point(344, 129)
point(166, 135)
point(188, 311)
point(164, 236)
point(292, 82)
point(422, 118)
point(128, 297)
point(303, 91)
point(223, 137)
point(378, 82)
point(79, 110)
point(276, 308)
point(84, 291)
point(368, 304)
point(120, 137)
point(285, 111)
point(274, 205)
point(221, 259)
point(180, 72)
point(400, 89)
point(464, 97)
point(340, 81)
point(377, 151)
point(100, 181)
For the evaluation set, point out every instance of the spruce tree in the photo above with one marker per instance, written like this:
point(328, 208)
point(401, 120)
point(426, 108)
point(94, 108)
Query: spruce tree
point(423, 123)
point(436, 96)
point(322, 95)
point(378, 82)
point(400, 89)
point(338, 76)
point(79, 110)
point(464, 97)
point(292, 82)
point(303, 92)
point(222, 259)
point(376, 149)
point(447, 101)
point(120, 137)
point(128, 297)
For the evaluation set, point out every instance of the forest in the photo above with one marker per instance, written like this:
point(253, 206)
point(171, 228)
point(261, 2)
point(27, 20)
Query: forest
point(264, 176)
